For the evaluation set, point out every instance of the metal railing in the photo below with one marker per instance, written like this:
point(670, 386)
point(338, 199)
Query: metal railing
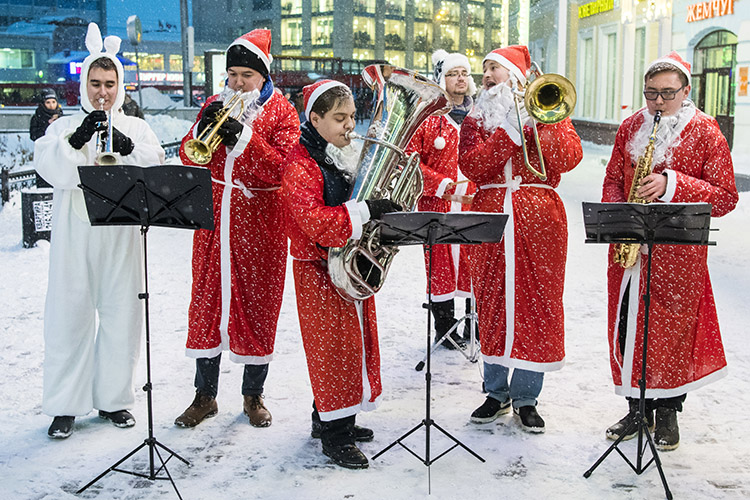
point(16, 181)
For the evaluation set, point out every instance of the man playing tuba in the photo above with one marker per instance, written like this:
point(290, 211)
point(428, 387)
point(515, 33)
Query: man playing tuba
point(518, 283)
point(691, 163)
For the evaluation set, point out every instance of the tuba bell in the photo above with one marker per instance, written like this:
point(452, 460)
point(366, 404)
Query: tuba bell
point(404, 99)
point(548, 98)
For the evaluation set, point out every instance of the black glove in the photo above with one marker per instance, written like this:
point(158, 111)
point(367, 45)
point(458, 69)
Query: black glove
point(379, 207)
point(121, 143)
point(209, 115)
point(230, 132)
point(94, 122)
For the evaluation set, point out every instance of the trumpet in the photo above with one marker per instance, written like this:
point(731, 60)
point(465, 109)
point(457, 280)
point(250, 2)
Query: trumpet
point(201, 149)
point(106, 156)
point(548, 98)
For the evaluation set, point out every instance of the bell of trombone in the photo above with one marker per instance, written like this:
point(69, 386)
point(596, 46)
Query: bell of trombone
point(548, 99)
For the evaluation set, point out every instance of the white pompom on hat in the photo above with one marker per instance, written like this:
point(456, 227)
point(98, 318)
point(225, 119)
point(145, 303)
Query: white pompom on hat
point(514, 58)
point(443, 62)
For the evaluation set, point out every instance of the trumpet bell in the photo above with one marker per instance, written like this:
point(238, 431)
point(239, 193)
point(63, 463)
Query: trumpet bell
point(198, 151)
point(550, 98)
point(106, 159)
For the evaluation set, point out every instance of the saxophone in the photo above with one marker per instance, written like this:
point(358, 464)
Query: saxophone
point(627, 253)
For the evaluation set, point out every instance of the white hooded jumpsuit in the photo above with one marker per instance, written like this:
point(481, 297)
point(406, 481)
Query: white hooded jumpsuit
point(92, 270)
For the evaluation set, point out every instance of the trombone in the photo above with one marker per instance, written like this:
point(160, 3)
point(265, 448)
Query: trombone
point(201, 149)
point(548, 98)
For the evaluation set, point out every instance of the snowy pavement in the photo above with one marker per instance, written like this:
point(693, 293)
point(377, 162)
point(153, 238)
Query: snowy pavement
point(230, 459)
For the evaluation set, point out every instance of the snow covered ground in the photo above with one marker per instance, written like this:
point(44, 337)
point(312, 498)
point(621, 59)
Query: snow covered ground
point(230, 459)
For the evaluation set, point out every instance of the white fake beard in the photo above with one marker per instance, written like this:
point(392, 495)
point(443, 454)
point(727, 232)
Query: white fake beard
point(492, 106)
point(249, 104)
point(345, 159)
point(667, 134)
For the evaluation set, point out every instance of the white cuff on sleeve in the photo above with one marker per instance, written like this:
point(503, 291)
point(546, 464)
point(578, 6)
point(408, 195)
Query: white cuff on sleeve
point(359, 214)
point(512, 131)
point(671, 186)
point(442, 187)
point(242, 142)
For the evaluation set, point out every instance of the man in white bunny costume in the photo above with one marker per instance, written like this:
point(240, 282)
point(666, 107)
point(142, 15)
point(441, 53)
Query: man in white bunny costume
point(93, 271)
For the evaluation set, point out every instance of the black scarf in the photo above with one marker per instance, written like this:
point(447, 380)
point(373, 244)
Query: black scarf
point(336, 186)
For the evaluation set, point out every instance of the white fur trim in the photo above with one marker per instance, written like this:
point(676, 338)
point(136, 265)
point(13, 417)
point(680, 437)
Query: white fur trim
point(255, 50)
point(505, 63)
point(442, 187)
point(671, 62)
point(671, 186)
point(523, 364)
point(242, 141)
point(359, 215)
point(635, 392)
point(317, 93)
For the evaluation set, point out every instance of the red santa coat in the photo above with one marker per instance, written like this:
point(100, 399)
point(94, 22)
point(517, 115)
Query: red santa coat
point(450, 263)
point(239, 267)
point(525, 289)
point(684, 343)
point(340, 337)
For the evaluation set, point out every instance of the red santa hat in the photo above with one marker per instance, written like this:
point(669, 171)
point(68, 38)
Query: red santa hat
point(514, 58)
point(311, 92)
point(673, 59)
point(443, 62)
point(251, 50)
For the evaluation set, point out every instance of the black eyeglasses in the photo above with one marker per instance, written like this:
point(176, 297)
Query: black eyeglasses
point(667, 95)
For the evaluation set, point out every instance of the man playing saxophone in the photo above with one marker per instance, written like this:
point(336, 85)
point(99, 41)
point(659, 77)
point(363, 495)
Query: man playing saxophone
point(518, 283)
point(690, 162)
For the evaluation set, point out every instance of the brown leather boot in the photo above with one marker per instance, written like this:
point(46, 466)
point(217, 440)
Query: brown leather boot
point(256, 411)
point(201, 408)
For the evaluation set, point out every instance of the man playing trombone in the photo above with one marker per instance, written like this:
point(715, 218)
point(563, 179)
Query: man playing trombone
point(239, 267)
point(518, 283)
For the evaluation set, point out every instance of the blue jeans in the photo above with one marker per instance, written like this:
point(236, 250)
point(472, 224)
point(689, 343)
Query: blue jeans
point(524, 388)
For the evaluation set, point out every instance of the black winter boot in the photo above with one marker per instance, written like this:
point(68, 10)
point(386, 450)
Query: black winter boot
point(361, 434)
point(444, 314)
point(61, 427)
point(667, 432)
point(615, 430)
point(337, 437)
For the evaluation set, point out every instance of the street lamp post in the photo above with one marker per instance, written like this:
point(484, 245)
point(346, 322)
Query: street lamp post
point(187, 64)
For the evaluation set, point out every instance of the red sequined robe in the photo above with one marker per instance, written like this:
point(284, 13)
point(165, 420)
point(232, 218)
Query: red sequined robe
point(450, 263)
point(518, 283)
point(340, 338)
point(239, 267)
point(684, 343)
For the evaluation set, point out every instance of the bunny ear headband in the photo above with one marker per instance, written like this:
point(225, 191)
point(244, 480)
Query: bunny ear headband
point(111, 46)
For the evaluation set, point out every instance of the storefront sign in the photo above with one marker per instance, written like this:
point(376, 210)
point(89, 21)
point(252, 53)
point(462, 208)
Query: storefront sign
point(591, 8)
point(706, 10)
point(743, 81)
point(154, 76)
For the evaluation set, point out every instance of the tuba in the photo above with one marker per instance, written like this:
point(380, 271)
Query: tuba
point(626, 254)
point(548, 98)
point(404, 99)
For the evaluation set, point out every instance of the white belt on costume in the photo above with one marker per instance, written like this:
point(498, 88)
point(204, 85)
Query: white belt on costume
point(514, 185)
point(247, 191)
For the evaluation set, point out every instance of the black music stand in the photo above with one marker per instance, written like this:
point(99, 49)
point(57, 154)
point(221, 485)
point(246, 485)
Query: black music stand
point(169, 196)
point(652, 224)
point(435, 228)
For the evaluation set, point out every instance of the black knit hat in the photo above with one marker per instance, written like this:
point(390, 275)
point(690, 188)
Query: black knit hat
point(48, 94)
point(237, 55)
